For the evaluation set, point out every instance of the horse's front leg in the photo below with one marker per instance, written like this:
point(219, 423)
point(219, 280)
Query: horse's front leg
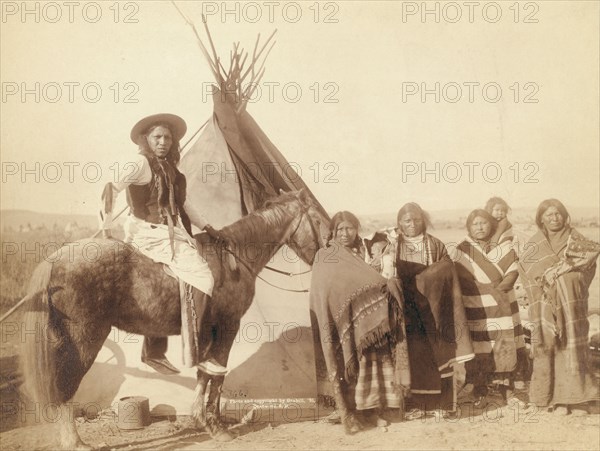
point(351, 423)
point(215, 426)
point(199, 404)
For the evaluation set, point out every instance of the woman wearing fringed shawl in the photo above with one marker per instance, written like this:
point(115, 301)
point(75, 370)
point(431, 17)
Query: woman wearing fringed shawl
point(360, 329)
point(488, 272)
point(433, 309)
point(557, 268)
point(159, 227)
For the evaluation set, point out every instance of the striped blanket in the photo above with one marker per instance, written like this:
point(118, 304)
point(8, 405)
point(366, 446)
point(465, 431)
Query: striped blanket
point(486, 280)
point(504, 232)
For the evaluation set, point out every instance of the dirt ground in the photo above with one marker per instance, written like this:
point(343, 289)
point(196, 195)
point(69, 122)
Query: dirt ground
point(497, 426)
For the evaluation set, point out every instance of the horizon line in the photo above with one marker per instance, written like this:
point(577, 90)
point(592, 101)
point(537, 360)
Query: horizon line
point(5, 210)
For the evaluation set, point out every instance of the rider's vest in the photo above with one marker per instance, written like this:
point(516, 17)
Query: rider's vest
point(143, 199)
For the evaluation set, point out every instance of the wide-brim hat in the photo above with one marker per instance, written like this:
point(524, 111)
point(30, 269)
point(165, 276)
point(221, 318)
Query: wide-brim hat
point(176, 124)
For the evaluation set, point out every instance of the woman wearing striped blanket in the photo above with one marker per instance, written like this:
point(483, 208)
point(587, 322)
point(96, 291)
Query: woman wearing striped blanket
point(506, 238)
point(557, 268)
point(487, 273)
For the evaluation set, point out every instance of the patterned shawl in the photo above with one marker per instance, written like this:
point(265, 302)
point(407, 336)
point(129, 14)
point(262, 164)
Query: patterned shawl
point(354, 309)
point(542, 266)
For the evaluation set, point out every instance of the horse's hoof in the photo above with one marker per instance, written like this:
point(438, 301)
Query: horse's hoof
point(199, 425)
point(480, 401)
point(223, 436)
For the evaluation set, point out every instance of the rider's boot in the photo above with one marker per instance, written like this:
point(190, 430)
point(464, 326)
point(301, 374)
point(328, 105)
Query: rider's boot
point(153, 355)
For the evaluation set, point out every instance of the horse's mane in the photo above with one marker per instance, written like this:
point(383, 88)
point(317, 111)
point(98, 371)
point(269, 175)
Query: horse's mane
point(256, 225)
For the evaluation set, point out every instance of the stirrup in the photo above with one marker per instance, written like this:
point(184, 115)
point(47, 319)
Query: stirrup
point(213, 368)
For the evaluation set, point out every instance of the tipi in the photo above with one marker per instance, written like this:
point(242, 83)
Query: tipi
point(233, 164)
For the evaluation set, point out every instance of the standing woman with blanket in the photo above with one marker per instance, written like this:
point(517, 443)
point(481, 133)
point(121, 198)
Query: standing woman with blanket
point(434, 312)
point(360, 328)
point(488, 272)
point(557, 268)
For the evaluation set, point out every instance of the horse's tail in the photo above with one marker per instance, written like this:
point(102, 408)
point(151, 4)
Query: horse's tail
point(37, 360)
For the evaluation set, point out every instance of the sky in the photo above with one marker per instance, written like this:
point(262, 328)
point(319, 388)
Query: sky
point(375, 103)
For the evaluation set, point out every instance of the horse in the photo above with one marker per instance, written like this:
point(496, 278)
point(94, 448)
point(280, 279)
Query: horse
point(76, 297)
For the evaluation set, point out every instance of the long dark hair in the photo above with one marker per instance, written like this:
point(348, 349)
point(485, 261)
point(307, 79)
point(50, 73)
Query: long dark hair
point(544, 205)
point(413, 207)
point(340, 217)
point(174, 153)
point(166, 175)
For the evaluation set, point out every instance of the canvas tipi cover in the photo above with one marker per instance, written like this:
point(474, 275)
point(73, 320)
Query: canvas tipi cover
point(233, 167)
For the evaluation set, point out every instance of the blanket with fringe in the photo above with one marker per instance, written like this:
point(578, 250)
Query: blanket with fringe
point(354, 310)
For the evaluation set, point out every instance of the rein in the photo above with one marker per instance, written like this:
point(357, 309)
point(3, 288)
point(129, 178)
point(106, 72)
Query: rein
point(281, 288)
point(289, 274)
point(229, 251)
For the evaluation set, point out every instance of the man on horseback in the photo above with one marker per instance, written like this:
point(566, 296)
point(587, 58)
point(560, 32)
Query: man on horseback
point(159, 227)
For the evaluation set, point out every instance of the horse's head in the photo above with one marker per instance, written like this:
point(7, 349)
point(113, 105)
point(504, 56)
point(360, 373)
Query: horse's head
point(291, 218)
point(310, 230)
